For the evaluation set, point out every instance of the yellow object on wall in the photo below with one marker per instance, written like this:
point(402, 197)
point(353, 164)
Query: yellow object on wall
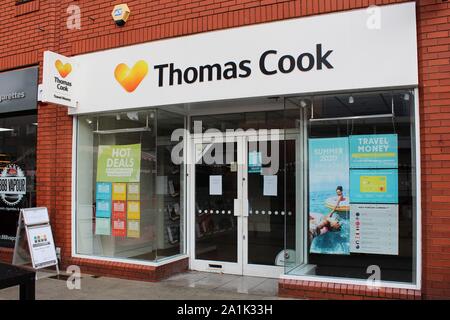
point(373, 184)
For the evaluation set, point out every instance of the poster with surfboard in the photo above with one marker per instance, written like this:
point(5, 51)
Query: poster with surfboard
point(329, 203)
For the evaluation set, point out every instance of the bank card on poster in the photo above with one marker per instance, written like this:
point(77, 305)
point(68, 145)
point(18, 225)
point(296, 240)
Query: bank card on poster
point(374, 186)
point(42, 246)
point(119, 163)
point(329, 171)
point(375, 151)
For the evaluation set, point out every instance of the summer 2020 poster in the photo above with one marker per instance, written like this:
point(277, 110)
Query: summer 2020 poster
point(329, 231)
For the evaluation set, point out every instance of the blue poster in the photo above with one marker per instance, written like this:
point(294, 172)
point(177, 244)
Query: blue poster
point(103, 208)
point(104, 190)
point(374, 186)
point(374, 151)
point(329, 204)
point(254, 162)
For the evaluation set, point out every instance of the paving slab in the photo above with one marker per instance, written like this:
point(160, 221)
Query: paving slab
point(189, 285)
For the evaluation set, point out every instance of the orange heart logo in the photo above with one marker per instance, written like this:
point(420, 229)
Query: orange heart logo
point(128, 78)
point(63, 69)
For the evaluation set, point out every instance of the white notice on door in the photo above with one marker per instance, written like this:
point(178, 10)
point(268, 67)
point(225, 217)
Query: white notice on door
point(270, 186)
point(215, 185)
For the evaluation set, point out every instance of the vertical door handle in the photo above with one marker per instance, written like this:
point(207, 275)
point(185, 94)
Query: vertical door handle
point(245, 207)
point(237, 207)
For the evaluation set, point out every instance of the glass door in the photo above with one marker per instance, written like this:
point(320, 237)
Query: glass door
point(217, 182)
point(244, 202)
point(271, 174)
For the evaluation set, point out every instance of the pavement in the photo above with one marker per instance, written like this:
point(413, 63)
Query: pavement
point(189, 285)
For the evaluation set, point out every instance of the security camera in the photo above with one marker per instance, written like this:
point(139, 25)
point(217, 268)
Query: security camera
point(120, 14)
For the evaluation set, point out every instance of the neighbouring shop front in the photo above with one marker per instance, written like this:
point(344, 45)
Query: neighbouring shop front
point(252, 151)
point(18, 136)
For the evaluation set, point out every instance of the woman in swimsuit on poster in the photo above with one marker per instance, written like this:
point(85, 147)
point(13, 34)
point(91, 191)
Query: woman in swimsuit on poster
point(328, 222)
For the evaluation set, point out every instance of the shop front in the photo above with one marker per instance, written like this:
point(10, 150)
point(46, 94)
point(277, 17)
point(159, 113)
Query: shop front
point(283, 150)
point(18, 136)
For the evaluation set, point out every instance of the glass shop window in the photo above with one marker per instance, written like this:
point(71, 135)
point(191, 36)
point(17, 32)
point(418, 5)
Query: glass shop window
point(18, 136)
point(361, 182)
point(129, 191)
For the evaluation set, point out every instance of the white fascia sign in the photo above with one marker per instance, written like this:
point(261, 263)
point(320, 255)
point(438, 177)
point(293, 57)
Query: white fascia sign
point(326, 53)
point(58, 80)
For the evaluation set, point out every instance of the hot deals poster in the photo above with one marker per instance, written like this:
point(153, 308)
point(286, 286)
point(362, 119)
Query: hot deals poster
point(119, 163)
point(118, 176)
point(329, 203)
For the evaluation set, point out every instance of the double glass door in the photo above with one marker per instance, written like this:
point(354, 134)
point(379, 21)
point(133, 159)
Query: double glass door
point(243, 202)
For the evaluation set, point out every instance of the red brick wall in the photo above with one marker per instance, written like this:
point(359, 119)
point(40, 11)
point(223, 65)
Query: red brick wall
point(129, 271)
point(153, 20)
point(335, 291)
point(27, 30)
point(40, 25)
point(434, 56)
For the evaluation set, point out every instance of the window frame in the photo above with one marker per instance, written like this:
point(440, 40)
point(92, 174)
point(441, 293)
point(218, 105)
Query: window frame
point(417, 236)
point(74, 199)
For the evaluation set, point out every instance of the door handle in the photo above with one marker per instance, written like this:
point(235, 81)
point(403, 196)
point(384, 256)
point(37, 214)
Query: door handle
point(237, 208)
point(245, 207)
point(241, 207)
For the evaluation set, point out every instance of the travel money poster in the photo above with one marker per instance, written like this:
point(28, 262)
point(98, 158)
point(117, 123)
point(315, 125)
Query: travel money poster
point(118, 189)
point(329, 196)
point(377, 151)
point(374, 193)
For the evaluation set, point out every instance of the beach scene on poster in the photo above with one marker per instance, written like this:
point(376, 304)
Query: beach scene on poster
point(329, 203)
